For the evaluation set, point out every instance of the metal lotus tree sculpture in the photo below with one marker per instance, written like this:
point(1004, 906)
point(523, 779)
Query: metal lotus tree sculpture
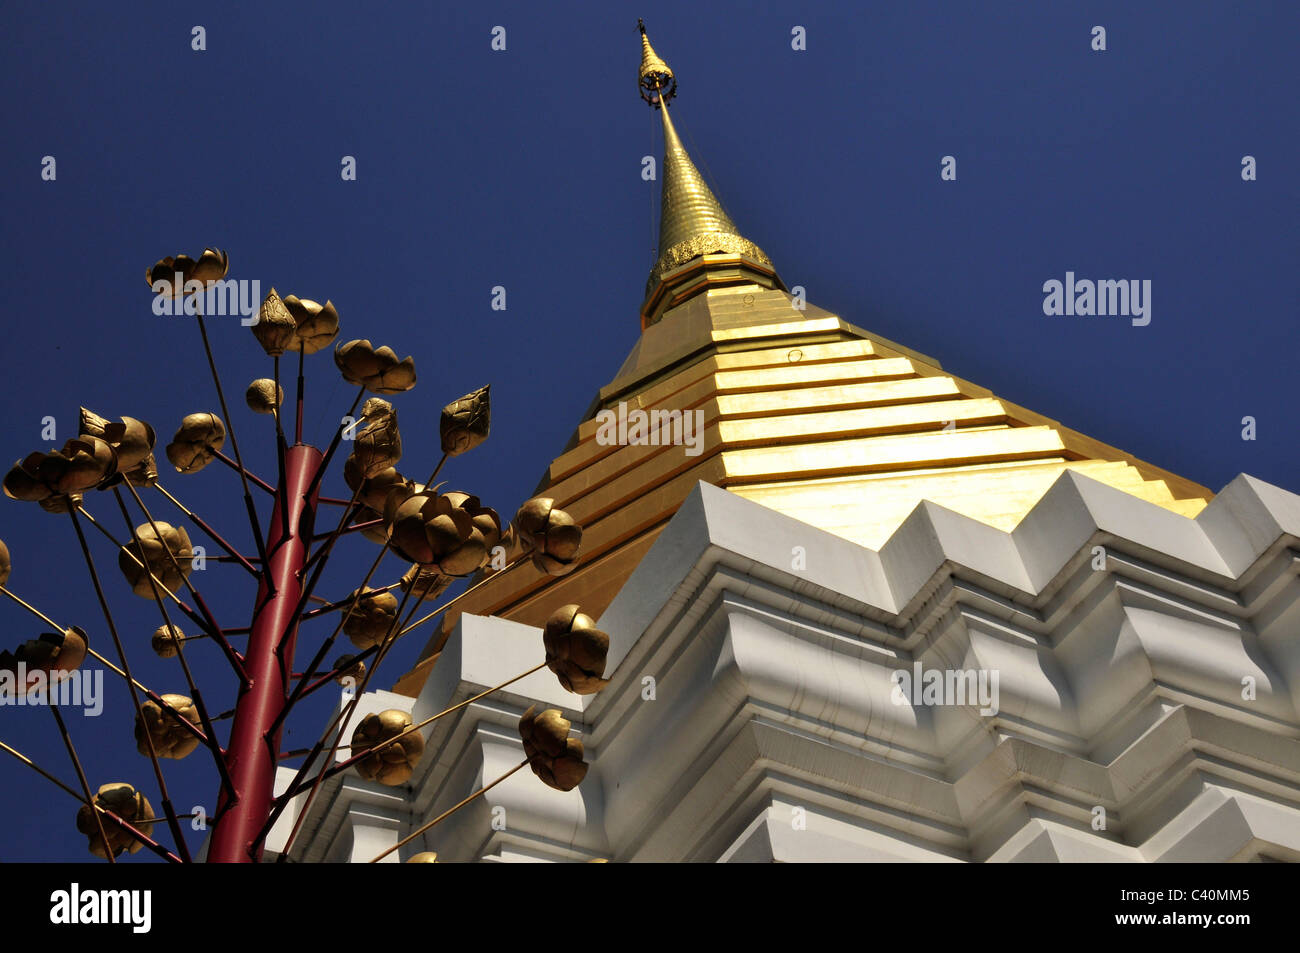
point(443, 536)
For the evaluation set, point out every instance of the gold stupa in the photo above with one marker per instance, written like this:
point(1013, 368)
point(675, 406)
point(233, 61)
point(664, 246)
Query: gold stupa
point(803, 412)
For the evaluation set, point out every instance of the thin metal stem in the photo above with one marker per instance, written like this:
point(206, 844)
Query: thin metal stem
point(333, 673)
point(126, 667)
point(340, 721)
point(135, 832)
point(283, 802)
point(153, 580)
point(280, 448)
point(447, 813)
point(208, 736)
point(522, 558)
point(32, 609)
point(212, 627)
point(354, 528)
point(334, 443)
point(210, 532)
point(189, 612)
point(81, 776)
point(154, 696)
point(344, 765)
point(234, 442)
point(344, 603)
point(297, 424)
point(151, 695)
point(257, 480)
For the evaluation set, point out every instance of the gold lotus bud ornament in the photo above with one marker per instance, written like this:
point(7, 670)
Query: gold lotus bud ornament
point(264, 396)
point(316, 324)
point(167, 641)
point(54, 654)
point(128, 804)
point(369, 616)
point(395, 763)
point(465, 423)
point(170, 739)
point(172, 277)
point(348, 668)
point(82, 464)
point(375, 368)
point(576, 650)
point(151, 551)
point(132, 440)
point(552, 754)
point(378, 445)
point(6, 564)
point(450, 532)
point(371, 491)
point(275, 330)
point(197, 442)
point(550, 533)
point(424, 857)
point(22, 483)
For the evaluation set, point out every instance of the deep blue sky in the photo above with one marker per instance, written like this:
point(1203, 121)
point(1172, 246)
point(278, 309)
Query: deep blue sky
point(522, 169)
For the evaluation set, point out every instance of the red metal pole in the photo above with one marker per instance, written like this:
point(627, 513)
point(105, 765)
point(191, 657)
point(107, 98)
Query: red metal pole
point(253, 754)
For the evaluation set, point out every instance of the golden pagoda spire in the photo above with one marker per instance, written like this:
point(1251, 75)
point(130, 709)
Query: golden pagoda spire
point(692, 223)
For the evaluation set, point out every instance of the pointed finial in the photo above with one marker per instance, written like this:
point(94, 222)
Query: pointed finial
point(656, 81)
point(699, 244)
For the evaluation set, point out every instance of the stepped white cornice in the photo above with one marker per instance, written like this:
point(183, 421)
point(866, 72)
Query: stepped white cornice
point(1148, 672)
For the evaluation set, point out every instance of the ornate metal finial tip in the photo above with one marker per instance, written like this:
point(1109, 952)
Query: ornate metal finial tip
point(656, 81)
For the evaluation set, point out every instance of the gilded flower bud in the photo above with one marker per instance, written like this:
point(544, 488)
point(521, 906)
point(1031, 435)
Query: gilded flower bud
point(81, 465)
point(53, 654)
point(169, 276)
point(167, 641)
point(552, 754)
point(264, 396)
point(393, 764)
point(128, 804)
point(196, 442)
point(5, 563)
point(464, 423)
point(170, 738)
point(317, 324)
point(275, 330)
point(151, 551)
point(21, 482)
point(378, 445)
point(371, 491)
point(89, 462)
point(369, 617)
point(375, 368)
point(132, 440)
point(550, 533)
point(348, 668)
point(576, 650)
point(424, 857)
point(451, 532)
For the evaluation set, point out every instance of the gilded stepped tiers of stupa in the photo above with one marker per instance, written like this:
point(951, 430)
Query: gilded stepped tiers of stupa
point(849, 512)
